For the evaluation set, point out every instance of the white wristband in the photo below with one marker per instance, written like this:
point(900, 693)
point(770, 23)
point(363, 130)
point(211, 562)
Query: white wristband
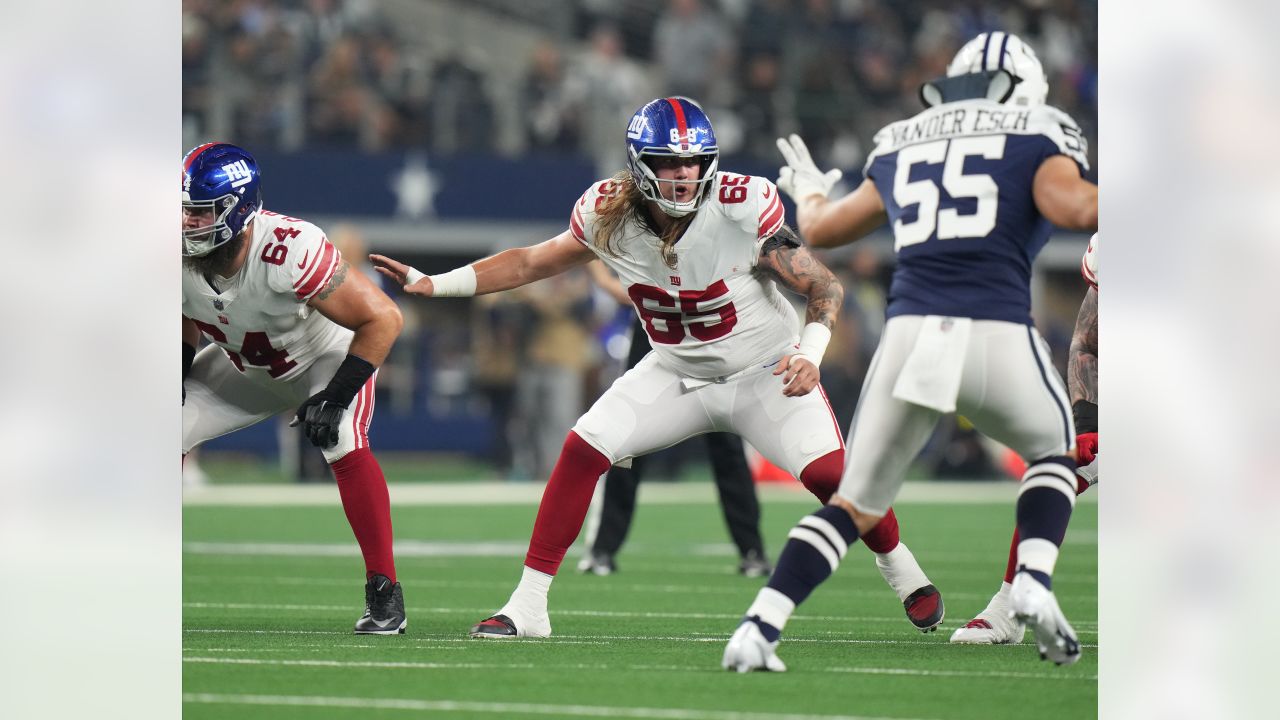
point(413, 276)
point(455, 283)
point(813, 341)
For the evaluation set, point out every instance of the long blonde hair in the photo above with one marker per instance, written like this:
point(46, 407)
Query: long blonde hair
point(624, 202)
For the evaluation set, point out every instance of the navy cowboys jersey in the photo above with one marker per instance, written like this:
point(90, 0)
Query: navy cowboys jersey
point(956, 183)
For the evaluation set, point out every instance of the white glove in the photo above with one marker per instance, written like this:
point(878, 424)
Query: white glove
point(800, 177)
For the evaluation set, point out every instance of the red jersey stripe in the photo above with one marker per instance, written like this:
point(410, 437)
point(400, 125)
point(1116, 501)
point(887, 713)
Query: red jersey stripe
point(324, 270)
point(771, 207)
point(770, 225)
point(317, 261)
point(575, 225)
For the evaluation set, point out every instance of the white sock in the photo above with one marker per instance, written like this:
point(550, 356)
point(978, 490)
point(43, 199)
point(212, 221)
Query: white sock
point(901, 571)
point(533, 589)
point(772, 607)
point(1038, 554)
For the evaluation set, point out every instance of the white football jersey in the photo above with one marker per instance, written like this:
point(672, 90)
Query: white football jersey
point(713, 314)
point(260, 316)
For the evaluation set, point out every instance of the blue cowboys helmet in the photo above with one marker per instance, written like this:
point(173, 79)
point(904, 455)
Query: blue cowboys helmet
point(997, 65)
point(671, 127)
point(225, 179)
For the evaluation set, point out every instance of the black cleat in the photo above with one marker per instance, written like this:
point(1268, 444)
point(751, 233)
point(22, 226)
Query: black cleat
point(754, 565)
point(383, 608)
point(924, 608)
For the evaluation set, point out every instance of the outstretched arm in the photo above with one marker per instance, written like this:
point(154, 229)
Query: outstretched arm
point(822, 222)
point(504, 271)
point(1063, 197)
point(792, 265)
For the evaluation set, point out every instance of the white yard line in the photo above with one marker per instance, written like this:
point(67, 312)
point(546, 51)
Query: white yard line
point(499, 708)
point(503, 493)
point(543, 665)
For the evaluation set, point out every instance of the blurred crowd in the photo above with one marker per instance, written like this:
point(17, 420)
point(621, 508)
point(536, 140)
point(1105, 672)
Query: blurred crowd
point(295, 74)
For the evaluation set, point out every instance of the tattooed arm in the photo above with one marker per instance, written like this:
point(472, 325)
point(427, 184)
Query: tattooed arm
point(352, 301)
point(784, 259)
point(1082, 361)
point(792, 265)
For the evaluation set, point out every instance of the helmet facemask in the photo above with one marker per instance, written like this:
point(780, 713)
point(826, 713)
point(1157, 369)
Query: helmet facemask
point(200, 241)
point(983, 57)
point(650, 185)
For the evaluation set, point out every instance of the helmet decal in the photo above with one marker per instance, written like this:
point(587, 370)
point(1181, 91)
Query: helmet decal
point(671, 127)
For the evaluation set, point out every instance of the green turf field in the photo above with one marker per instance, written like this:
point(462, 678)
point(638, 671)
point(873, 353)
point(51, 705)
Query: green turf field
point(270, 594)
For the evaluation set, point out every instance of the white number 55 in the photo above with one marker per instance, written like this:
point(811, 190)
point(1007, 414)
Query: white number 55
point(947, 222)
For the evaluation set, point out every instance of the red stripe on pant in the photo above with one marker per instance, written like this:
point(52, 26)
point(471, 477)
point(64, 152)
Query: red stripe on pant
point(368, 507)
point(822, 477)
point(564, 503)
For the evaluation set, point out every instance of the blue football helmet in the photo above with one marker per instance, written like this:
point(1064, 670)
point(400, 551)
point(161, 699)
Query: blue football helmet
point(225, 179)
point(671, 127)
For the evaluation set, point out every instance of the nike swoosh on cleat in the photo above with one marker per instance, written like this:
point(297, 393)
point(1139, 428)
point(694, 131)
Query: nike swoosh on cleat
point(384, 623)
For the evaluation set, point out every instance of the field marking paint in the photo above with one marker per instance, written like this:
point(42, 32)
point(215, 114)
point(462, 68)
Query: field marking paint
point(504, 493)
point(402, 665)
point(574, 613)
point(462, 706)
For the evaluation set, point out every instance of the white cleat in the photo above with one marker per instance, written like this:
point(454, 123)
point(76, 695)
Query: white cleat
point(513, 622)
point(994, 625)
point(748, 650)
point(1035, 605)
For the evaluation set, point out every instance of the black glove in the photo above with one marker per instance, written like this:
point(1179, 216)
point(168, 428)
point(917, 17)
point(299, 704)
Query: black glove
point(188, 357)
point(321, 413)
point(320, 420)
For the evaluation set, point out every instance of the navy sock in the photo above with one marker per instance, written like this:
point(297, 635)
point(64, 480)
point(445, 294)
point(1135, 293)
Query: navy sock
point(1046, 499)
point(769, 632)
point(813, 551)
point(1044, 578)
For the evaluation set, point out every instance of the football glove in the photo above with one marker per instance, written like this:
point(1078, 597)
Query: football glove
point(800, 177)
point(1086, 448)
point(321, 413)
point(320, 417)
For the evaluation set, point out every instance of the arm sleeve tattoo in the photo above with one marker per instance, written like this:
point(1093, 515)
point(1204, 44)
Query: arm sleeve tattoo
point(799, 271)
point(339, 276)
point(1082, 359)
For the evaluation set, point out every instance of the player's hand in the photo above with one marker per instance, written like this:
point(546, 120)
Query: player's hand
point(399, 272)
point(319, 418)
point(801, 375)
point(800, 177)
point(1086, 448)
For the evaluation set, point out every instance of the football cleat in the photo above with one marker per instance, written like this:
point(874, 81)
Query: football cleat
point(1035, 605)
point(748, 650)
point(925, 609)
point(992, 626)
point(509, 623)
point(383, 608)
point(597, 563)
point(754, 565)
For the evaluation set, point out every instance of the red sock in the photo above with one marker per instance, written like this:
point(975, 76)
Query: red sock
point(368, 507)
point(883, 537)
point(1013, 557)
point(822, 476)
point(564, 503)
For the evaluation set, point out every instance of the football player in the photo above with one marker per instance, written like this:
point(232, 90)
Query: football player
point(291, 329)
point(972, 187)
point(701, 254)
point(996, 625)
